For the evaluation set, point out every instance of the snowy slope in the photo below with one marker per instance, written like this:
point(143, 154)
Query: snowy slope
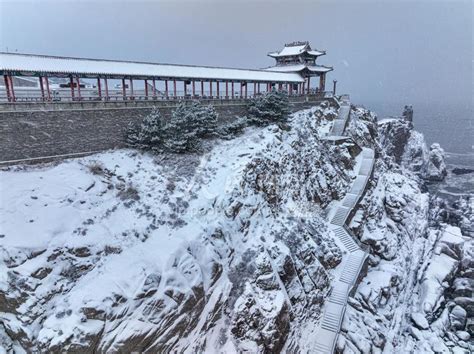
point(124, 251)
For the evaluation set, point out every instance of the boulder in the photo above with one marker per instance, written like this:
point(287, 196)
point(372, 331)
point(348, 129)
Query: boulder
point(436, 167)
point(458, 317)
point(420, 320)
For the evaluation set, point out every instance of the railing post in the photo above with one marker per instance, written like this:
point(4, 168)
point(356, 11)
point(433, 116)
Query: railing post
point(124, 92)
point(47, 88)
point(42, 88)
point(71, 83)
point(106, 89)
point(78, 88)
point(131, 89)
point(99, 88)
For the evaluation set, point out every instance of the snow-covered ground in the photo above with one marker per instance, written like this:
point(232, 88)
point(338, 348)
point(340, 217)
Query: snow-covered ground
point(226, 251)
point(124, 250)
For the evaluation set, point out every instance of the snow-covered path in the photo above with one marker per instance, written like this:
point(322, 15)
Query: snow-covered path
point(326, 336)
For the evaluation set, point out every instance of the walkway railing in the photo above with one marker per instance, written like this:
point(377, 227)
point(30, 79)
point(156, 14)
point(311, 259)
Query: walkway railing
point(32, 95)
point(353, 261)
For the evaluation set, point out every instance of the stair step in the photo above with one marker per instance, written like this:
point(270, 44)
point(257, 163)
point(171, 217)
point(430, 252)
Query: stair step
point(350, 200)
point(340, 217)
point(365, 167)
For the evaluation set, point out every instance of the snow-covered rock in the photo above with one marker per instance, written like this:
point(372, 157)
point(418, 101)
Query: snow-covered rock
point(123, 251)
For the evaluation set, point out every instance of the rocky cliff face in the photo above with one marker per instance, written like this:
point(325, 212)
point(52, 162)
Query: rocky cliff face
point(224, 251)
point(417, 293)
point(230, 250)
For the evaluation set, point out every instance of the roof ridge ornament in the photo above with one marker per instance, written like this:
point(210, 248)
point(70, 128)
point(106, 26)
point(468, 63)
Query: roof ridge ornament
point(296, 43)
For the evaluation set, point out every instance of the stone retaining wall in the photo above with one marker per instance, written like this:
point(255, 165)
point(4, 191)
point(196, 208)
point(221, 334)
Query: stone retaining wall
point(37, 131)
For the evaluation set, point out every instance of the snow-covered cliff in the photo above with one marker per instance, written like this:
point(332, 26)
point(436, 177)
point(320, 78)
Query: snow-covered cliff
point(229, 250)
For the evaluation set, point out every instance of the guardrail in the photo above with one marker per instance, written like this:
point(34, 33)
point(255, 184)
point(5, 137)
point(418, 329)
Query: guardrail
point(88, 95)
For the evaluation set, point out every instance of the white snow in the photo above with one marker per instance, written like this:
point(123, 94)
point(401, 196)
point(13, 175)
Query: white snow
point(38, 63)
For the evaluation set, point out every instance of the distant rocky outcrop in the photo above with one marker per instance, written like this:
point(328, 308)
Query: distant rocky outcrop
point(408, 147)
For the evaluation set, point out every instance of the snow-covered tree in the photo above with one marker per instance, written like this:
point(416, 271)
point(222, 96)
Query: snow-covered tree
point(271, 107)
point(189, 124)
point(233, 128)
point(149, 135)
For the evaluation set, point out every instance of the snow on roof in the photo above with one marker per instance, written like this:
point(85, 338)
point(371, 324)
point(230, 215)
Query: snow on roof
point(292, 49)
point(29, 64)
point(299, 67)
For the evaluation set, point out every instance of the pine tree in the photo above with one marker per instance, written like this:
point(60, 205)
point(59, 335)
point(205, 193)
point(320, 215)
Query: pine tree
point(149, 135)
point(272, 107)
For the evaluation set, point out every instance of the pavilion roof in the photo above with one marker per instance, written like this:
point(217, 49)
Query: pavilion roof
point(299, 67)
point(35, 65)
point(296, 48)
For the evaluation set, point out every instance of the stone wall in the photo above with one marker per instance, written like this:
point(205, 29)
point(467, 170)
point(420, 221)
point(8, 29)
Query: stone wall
point(38, 132)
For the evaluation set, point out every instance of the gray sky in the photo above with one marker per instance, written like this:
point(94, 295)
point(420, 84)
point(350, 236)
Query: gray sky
point(385, 51)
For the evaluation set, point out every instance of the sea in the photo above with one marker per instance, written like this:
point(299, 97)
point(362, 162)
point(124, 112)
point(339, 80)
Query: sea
point(450, 125)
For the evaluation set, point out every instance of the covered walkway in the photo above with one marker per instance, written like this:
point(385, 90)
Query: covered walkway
point(82, 79)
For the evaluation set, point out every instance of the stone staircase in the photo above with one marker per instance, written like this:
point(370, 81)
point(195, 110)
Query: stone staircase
point(353, 261)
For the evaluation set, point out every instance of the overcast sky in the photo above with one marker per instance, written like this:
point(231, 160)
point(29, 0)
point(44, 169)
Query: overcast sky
point(403, 51)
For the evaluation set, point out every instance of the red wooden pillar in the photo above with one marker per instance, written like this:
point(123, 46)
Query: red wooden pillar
point(7, 87)
point(194, 88)
point(42, 88)
point(202, 88)
point(210, 89)
point(99, 89)
point(174, 88)
point(227, 89)
point(246, 88)
point(254, 89)
point(154, 88)
point(146, 89)
point(280, 87)
point(131, 89)
point(71, 83)
point(47, 88)
point(106, 89)
point(124, 92)
point(232, 89)
point(185, 88)
point(78, 88)
point(258, 88)
point(290, 91)
point(12, 88)
point(166, 88)
point(217, 89)
point(241, 89)
point(309, 84)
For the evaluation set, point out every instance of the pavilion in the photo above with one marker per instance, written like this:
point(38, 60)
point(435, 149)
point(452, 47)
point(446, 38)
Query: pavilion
point(295, 66)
